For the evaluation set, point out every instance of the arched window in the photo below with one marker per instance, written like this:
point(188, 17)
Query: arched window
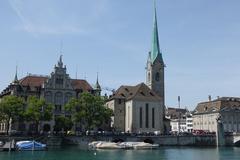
point(157, 76)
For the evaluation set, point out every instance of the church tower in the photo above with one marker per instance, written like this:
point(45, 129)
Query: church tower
point(155, 65)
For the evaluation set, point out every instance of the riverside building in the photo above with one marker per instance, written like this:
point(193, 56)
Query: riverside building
point(57, 88)
point(227, 108)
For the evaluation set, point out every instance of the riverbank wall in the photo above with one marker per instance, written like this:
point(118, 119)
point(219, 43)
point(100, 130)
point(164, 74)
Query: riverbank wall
point(208, 140)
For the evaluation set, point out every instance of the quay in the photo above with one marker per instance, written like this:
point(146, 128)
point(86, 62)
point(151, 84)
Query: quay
point(167, 140)
point(163, 140)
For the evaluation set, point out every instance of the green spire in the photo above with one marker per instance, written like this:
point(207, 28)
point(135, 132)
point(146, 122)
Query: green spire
point(155, 40)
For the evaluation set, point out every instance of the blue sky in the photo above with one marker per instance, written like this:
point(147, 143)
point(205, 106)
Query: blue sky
point(200, 41)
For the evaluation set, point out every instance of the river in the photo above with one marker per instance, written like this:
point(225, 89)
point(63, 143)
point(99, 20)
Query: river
point(163, 153)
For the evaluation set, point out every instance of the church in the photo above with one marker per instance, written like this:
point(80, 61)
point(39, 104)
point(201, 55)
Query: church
point(57, 88)
point(141, 108)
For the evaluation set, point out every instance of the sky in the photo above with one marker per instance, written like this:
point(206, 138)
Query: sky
point(199, 39)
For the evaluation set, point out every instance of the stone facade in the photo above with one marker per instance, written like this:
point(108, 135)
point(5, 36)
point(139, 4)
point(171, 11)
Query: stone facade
point(206, 114)
point(136, 109)
point(118, 107)
point(57, 89)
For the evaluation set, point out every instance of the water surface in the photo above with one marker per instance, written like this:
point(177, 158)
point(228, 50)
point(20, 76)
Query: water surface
point(164, 153)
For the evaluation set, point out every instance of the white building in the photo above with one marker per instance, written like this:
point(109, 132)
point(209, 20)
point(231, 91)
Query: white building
point(180, 120)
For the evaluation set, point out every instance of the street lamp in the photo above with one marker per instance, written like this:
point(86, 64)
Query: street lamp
point(179, 100)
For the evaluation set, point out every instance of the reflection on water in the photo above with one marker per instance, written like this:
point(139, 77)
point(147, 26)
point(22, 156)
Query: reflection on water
point(164, 153)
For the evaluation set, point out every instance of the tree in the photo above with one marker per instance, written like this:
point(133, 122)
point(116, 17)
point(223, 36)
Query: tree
point(11, 109)
point(89, 110)
point(62, 123)
point(38, 110)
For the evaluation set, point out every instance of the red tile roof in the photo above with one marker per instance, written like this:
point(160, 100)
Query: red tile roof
point(37, 81)
point(33, 81)
point(81, 84)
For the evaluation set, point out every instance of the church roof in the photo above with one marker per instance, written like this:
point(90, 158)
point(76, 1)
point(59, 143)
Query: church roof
point(140, 92)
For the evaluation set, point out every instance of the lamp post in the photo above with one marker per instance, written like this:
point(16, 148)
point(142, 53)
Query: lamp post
point(179, 100)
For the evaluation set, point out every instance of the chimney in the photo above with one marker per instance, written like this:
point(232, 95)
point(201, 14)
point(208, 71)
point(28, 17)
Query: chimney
point(209, 98)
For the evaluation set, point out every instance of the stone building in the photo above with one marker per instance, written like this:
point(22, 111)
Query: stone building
point(136, 109)
point(57, 88)
point(141, 108)
point(206, 113)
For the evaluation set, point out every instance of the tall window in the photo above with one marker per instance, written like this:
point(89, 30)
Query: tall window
point(59, 82)
point(153, 118)
point(140, 117)
point(149, 77)
point(146, 108)
point(157, 76)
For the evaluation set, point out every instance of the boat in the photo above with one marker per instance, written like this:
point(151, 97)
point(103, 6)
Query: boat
point(93, 144)
point(143, 145)
point(30, 146)
point(109, 145)
point(122, 145)
point(105, 145)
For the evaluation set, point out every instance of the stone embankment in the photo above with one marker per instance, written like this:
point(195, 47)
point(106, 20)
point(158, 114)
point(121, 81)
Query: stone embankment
point(208, 140)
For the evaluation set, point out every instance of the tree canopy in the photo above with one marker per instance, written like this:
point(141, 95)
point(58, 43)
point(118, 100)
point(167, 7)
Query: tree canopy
point(89, 110)
point(62, 123)
point(11, 108)
point(38, 110)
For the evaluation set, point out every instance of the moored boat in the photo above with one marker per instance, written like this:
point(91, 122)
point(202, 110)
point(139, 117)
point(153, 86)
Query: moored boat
point(30, 146)
point(123, 145)
point(143, 145)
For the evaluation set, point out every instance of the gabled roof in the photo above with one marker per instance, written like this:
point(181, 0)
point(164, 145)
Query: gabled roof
point(140, 92)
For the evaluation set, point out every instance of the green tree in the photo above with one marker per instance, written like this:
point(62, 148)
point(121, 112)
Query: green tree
point(11, 108)
point(89, 110)
point(63, 123)
point(38, 110)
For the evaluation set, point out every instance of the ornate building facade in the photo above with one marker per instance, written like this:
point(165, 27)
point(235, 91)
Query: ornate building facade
point(57, 88)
